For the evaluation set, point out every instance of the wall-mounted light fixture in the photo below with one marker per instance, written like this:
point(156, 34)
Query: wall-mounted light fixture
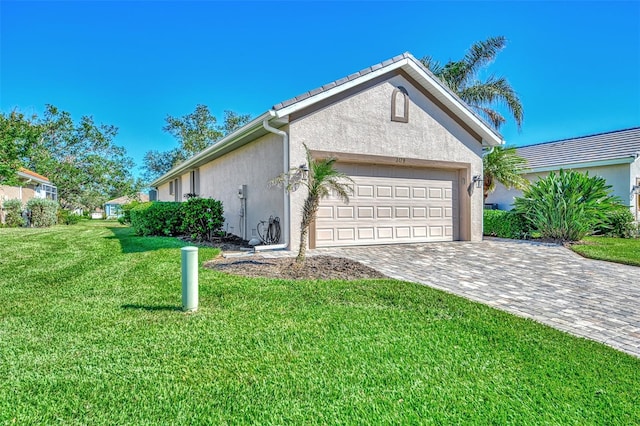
point(304, 169)
point(477, 180)
point(635, 189)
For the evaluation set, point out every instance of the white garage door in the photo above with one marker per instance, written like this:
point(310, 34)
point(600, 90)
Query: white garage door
point(391, 204)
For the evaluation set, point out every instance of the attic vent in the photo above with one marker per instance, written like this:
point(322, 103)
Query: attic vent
point(400, 105)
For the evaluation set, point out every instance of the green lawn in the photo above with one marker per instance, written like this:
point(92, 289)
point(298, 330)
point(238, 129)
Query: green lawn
point(619, 250)
point(91, 333)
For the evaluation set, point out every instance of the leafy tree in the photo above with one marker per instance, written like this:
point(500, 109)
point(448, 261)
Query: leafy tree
point(504, 165)
point(462, 78)
point(81, 160)
point(194, 132)
point(321, 180)
point(568, 205)
point(18, 137)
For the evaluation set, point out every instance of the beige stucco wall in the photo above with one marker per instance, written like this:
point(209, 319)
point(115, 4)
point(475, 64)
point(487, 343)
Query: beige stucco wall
point(14, 192)
point(253, 165)
point(361, 124)
point(616, 175)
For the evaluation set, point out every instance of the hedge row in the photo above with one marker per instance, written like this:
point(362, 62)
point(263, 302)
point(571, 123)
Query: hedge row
point(42, 213)
point(198, 217)
point(505, 224)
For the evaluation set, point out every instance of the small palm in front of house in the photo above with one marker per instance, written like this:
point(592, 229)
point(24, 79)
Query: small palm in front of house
point(322, 179)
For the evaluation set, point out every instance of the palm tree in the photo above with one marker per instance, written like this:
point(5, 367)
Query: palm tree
point(503, 165)
point(320, 178)
point(462, 78)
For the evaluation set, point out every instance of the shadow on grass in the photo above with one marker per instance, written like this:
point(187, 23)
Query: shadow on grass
point(153, 308)
point(131, 243)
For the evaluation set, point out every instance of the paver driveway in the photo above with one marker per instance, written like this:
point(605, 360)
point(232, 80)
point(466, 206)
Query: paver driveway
point(545, 282)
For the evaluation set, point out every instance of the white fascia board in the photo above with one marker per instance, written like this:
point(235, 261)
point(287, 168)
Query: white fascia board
point(489, 136)
point(584, 165)
point(225, 142)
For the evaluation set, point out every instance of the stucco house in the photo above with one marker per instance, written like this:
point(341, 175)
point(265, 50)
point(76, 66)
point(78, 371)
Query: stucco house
point(113, 208)
point(614, 156)
point(411, 146)
point(31, 185)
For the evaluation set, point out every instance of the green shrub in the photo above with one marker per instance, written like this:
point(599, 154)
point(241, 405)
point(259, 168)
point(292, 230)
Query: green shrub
point(157, 218)
point(505, 224)
point(618, 223)
point(125, 217)
point(566, 206)
point(44, 212)
point(13, 213)
point(202, 217)
point(65, 217)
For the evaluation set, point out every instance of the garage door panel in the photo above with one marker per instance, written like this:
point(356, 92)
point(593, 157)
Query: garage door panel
point(390, 204)
point(325, 212)
point(345, 212)
point(346, 234)
point(365, 212)
point(385, 233)
point(365, 191)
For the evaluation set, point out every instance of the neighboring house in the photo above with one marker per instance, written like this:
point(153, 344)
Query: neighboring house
point(614, 156)
point(32, 185)
point(411, 146)
point(112, 208)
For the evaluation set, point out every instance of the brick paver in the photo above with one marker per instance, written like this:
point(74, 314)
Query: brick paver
point(545, 282)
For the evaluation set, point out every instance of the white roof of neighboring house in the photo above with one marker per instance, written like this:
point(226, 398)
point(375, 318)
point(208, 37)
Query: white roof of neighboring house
point(125, 199)
point(278, 115)
point(602, 149)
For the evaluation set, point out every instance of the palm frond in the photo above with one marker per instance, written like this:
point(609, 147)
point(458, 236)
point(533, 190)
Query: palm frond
point(494, 90)
point(483, 53)
point(432, 65)
point(504, 165)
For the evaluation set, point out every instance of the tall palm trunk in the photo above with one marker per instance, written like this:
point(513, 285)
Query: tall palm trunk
point(308, 213)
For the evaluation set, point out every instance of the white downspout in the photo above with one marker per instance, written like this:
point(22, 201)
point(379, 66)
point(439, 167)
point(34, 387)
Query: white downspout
point(287, 196)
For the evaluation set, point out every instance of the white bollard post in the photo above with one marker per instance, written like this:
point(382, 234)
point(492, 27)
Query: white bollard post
point(190, 278)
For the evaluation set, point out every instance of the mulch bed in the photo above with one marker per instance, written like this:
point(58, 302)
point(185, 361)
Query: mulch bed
point(314, 268)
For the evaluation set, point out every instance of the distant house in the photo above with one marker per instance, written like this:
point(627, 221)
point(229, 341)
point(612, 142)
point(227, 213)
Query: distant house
point(412, 148)
point(113, 208)
point(614, 156)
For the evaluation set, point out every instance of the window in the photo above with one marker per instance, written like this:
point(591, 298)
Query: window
point(171, 190)
point(50, 192)
point(177, 189)
point(194, 181)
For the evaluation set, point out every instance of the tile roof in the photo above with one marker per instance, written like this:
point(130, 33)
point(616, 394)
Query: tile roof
point(341, 81)
point(33, 174)
point(599, 147)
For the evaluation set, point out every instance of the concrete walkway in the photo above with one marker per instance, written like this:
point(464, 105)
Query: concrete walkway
point(545, 282)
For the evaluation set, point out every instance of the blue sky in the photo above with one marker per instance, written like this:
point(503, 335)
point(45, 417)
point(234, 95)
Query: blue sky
point(575, 65)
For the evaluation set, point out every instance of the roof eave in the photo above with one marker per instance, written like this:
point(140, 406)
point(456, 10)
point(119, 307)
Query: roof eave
point(226, 142)
point(583, 165)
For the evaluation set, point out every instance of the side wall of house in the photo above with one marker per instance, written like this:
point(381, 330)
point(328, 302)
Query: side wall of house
point(616, 175)
point(252, 165)
point(361, 124)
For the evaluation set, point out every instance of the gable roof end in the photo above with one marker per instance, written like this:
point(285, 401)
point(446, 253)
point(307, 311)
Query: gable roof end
point(280, 112)
point(415, 69)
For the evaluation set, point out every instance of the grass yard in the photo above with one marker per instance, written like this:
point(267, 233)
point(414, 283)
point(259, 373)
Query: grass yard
point(91, 333)
point(619, 250)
